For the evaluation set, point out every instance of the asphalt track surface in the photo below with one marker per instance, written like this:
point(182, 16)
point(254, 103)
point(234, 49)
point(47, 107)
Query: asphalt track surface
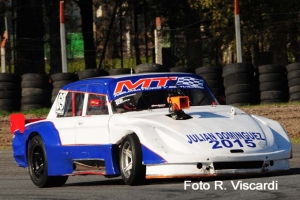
point(15, 184)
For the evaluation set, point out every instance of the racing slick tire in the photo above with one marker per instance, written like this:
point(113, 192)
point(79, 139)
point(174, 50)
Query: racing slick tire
point(89, 73)
point(272, 94)
point(211, 76)
point(293, 67)
point(273, 68)
point(267, 86)
point(295, 97)
point(237, 78)
point(132, 170)
point(238, 88)
point(208, 69)
point(64, 76)
point(7, 77)
point(294, 82)
point(150, 67)
point(38, 165)
point(293, 74)
point(119, 71)
point(271, 77)
point(294, 89)
point(234, 68)
point(182, 69)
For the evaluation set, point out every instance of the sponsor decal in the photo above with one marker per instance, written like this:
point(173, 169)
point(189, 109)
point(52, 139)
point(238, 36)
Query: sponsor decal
point(144, 83)
point(123, 87)
point(229, 139)
point(59, 109)
point(189, 82)
point(158, 105)
point(124, 99)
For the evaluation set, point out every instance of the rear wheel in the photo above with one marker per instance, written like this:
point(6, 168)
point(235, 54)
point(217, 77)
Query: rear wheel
point(132, 170)
point(38, 165)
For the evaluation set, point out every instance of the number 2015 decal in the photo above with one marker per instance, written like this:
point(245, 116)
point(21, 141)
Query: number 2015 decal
point(229, 144)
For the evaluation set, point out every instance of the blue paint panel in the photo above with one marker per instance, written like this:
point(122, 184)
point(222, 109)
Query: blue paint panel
point(45, 129)
point(19, 150)
point(149, 157)
point(60, 158)
point(78, 87)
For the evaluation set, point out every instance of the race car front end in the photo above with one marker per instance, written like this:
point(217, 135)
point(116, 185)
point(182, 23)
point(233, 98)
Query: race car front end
point(214, 142)
point(220, 165)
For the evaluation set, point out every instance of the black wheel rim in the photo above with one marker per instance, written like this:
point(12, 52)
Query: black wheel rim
point(37, 162)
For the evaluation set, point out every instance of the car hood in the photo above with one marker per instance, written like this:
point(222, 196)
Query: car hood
point(224, 129)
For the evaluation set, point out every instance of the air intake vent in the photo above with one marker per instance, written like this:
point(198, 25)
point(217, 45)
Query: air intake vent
point(238, 165)
point(237, 151)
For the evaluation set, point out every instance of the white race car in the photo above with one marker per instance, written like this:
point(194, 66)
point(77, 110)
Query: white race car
point(145, 126)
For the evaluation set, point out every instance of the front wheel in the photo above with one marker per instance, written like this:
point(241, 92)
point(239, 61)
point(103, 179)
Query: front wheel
point(38, 165)
point(132, 170)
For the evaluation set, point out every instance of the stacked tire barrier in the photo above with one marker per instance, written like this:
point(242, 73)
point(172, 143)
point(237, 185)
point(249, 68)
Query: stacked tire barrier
point(35, 91)
point(150, 68)
point(89, 73)
point(293, 76)
point(238, 78)
point(120, 71)
point(59, 80)
point(272, 84)
point(9, 92)
point(213, 77)
point(182, 69)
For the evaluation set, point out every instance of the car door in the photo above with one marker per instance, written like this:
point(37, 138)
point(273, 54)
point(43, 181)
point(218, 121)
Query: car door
point(65, 121)
point(92, 126)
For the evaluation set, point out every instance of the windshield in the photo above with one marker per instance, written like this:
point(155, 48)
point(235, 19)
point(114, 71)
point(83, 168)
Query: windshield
point(158, 99)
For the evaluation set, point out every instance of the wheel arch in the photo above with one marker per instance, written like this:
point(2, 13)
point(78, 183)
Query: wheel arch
point(50, 137)
point(150, 154)
point(30, 136)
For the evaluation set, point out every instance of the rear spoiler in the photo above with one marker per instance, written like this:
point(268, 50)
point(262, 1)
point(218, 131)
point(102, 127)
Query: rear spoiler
point(18, 121)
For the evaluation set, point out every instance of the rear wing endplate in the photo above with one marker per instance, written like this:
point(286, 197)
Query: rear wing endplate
point(17, 122)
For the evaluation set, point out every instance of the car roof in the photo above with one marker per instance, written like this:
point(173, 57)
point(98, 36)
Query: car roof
point(106, 80)
point(107, 85)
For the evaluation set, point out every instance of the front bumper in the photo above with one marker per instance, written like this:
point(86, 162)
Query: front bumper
point(210, 169)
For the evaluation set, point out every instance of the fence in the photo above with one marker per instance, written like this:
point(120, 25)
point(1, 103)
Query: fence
point(125, 36)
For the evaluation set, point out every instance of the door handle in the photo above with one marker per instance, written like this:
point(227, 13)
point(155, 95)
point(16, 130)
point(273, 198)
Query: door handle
point(80, 122)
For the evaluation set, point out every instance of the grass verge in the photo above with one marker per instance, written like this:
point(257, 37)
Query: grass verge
point(295, 140)
point(36, 112)
point(5, 148)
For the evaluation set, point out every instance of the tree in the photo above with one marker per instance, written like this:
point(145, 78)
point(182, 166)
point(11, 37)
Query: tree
point(86, 11)
point(180, 19)
point(264, 26)
point(52, 14)
point(29, 54)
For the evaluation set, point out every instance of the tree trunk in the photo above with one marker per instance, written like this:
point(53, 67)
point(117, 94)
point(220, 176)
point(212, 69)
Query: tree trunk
point(54, 40)
point(29, 38)
point(280, 47)
point(86, 12)
point(193, 49)
point(293, 40)
point(2, 22)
